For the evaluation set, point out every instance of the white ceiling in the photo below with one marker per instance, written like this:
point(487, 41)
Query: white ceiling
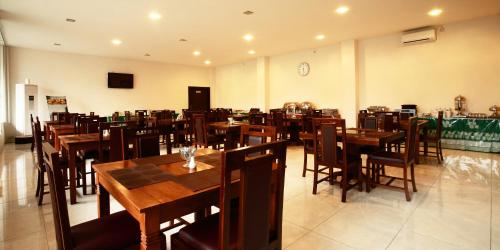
point(215, 27)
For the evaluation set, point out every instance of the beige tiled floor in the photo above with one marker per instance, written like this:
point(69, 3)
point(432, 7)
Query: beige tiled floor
point(457, 206)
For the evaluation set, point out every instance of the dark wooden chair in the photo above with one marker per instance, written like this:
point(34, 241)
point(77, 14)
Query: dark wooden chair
point(40, 184)
point(202, 137)
point(118, 143)
point(307, 127)
point(254, 111)
point(278, 120)
point(251, 135)
point(435, 139)
point(256, 222)
point(395, 159)
point(117, 231)
point(148, 143)
point(328, 134)
point(257, 119)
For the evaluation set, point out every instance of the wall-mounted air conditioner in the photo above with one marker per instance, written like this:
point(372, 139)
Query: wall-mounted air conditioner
point(419, 36)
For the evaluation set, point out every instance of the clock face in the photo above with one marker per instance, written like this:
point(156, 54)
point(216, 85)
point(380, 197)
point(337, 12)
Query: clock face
point(303, 69)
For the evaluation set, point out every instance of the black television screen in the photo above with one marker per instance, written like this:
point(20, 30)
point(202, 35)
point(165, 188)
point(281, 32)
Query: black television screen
point(120, 80)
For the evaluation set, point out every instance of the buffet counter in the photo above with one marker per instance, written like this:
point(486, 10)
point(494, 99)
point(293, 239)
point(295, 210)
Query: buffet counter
point(475, 134)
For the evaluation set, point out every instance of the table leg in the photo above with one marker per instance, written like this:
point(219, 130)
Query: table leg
point(417, 146)
point(102, 201)
point(72, 175)
point(229, 143)
point(150, 230)
point(426, 145)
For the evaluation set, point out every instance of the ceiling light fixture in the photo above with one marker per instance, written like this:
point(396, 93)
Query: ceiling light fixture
point(248, 12)
point(116, 42)
point(147, 54)
point(57, 44)
point(196, 53)
point(435, 12)
point(153, 15)
point(248, 37)
point(207, 62)
point(320, 37)
point(251, 52)
point(70, 20)
point(183, 40)
point(342, 10)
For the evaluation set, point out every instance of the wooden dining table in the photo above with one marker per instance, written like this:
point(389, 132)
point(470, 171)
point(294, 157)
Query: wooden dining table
point(183, 192)
point(71, 144)
point(57, 130)
point(232, 131)
point(364, 137)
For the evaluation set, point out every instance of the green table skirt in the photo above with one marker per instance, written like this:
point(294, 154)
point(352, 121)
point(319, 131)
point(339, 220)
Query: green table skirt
point(482, 135)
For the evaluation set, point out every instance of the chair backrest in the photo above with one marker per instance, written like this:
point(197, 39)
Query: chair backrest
point(307, 123)
point(370, 122)
point(411, 136)
point(323, 149)
point(118, 143)
point(333, 134)
point(254, 110)
point(104, 128)
point(439, 125)
point(403, 116)
point(317, 113)
point(37, 136)
point(257, 119)
point(251, 135)
point(128, 116)
point(87, 124)
point(260, 212)
point(58, 197)
point(148, 143)
point(200, 129)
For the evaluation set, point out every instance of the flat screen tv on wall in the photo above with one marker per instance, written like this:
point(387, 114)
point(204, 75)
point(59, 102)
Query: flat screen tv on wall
point(120, 80)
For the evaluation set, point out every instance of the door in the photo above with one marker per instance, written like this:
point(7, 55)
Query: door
point(199, 98)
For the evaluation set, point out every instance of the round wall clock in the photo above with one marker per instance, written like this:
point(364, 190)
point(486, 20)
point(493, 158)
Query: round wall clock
point(303, 69)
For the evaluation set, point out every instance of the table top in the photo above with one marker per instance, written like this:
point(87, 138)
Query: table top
point(61, 126)
point(367, 137)
point(81, 138)
point(226, 125)
point(153, 195)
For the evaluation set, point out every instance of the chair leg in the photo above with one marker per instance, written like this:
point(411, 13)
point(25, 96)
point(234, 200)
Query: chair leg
point(330, 173)
point(42, 185)
point(92, 180)
point(412, 172)
point(305, 164)
point(367, 177)
point(84, 179)
point(315, 179)
point(344, 184)
point(441, 150)
point(405, 180)
point(37, 191)
point(360, 177)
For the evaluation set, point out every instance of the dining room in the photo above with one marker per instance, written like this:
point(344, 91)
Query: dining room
point(249, 124)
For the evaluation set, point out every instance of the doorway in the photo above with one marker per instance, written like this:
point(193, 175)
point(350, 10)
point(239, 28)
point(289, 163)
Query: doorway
point(199, 98)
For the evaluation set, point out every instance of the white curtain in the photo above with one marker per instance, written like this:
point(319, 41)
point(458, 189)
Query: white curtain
point(3, 92)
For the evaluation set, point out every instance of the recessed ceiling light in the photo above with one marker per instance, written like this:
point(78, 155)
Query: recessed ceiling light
point(70, 20)
point(320, 37)
point(248, 12)
point(153, 15)
point(147, 54)
point(183, 40)
point(251, 52)
point(248, 37)
point(57, 44)
point(342, 10)
point(435, 12)
point(116, 41)
point(196, 53)
point(207, 62)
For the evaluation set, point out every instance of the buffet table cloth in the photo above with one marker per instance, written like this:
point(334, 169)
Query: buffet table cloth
point(473, 134)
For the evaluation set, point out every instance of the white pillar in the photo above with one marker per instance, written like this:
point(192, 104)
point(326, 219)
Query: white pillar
point(263, 83)
point(349, 78)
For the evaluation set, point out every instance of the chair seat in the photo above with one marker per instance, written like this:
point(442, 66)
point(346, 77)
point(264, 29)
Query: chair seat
point(103, 233)
point(387, 158)
point(205, 233)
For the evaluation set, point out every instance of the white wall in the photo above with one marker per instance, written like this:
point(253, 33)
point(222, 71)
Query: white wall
point(465, 60)
point(83, 80)
point(235, 85)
